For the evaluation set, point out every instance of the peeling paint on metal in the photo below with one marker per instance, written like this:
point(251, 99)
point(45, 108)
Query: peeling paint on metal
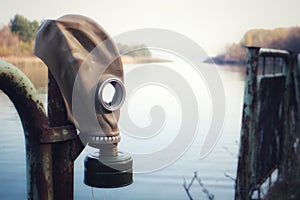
point(32, 114)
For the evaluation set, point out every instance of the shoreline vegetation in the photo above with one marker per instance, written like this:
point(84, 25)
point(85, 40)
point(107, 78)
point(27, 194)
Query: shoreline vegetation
point(278, 38)
point(15, 60)
point(17, 44)
point(141, 59)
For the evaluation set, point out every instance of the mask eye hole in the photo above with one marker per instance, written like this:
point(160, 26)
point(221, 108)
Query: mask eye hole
point(108, 93)
point(111, 94)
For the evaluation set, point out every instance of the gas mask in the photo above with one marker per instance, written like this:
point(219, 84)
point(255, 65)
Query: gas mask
point(85, 64)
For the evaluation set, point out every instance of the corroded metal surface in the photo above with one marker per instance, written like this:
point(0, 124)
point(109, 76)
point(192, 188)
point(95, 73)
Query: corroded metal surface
point(59, 134)
point(51, 147)
point(274, 53)
point(31, 111)
point(63, 152)
point(246, 166)
point(270, 124)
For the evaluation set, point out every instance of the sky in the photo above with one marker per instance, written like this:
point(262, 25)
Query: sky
point(212, 24)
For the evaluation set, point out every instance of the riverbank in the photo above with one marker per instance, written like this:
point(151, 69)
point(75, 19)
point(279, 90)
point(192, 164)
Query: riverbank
point(125, 59)
point(16, 59)
point(221, 60)
point(141, 59)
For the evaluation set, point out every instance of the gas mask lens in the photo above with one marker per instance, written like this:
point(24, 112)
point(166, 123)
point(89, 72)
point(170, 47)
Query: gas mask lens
point(111, 94)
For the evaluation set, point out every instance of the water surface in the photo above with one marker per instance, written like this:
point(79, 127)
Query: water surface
point(215, 170)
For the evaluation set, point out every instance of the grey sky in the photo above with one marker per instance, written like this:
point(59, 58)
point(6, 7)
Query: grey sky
point(210, 23)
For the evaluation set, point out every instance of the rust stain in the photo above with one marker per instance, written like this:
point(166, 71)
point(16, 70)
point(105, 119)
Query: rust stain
point(22, 93)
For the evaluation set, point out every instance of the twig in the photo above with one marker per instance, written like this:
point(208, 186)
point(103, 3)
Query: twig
point(93, 197)
point(186, 188)
point(204, 189)
point(229, 176)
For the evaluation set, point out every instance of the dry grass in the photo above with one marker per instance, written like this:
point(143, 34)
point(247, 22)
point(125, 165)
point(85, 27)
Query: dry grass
point(18, 59)
point(125, 59)
point(32, 67)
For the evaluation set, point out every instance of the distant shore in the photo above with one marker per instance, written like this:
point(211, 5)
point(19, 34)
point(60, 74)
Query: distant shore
point(125, 59)
point(142, 59)
point(220, 60)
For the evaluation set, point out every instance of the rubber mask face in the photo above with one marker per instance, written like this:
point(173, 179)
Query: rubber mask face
point(88, 70)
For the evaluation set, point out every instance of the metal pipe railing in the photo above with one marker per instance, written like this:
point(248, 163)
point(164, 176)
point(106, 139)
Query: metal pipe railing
point(34, 121)
point(285, 114)
point(51, 145)
point(264, 52)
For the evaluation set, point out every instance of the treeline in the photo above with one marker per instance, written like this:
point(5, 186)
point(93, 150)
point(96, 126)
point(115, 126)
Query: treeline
point(17, 39)
point(134, 50)
point(279, 38)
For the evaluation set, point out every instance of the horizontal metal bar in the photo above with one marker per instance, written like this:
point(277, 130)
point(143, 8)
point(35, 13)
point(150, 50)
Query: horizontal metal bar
point(58, 134)
point(261, 182)
point(264, 52)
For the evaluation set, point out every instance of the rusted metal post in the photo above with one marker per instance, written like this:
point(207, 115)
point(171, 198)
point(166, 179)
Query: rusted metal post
point(66, 150)
point(31, 111)
point(296, 78)
point(290, 127)
point(246, 165)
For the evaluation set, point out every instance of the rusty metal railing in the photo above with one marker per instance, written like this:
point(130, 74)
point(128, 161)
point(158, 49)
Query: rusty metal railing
point(38, 156)
point(269, 123)
point(51, 143)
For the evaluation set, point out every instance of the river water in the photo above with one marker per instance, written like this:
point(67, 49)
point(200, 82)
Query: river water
point(216, 171)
